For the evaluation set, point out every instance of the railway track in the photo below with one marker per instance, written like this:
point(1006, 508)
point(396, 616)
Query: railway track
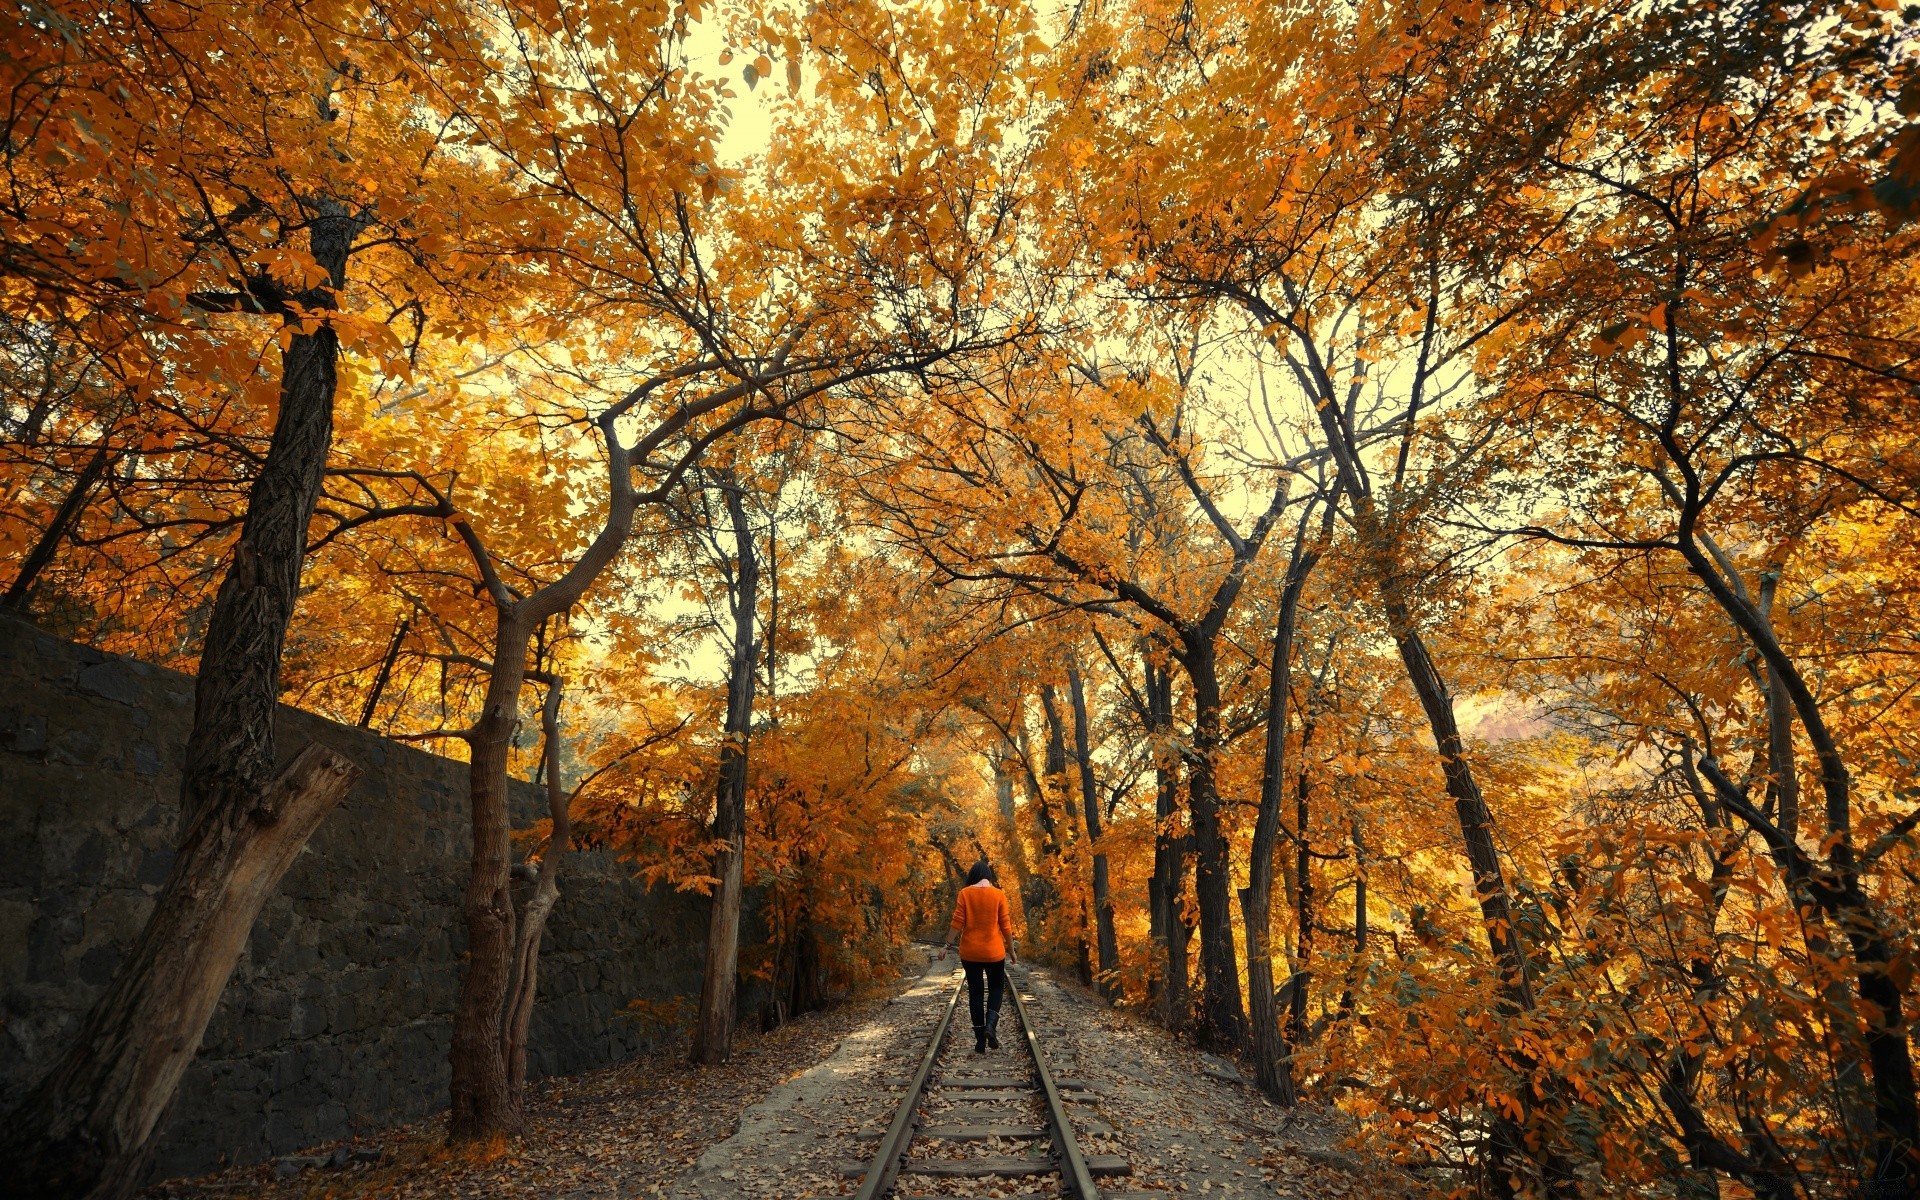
point(1002, 1115)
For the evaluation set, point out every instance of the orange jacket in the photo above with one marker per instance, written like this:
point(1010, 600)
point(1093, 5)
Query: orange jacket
point(981, 918)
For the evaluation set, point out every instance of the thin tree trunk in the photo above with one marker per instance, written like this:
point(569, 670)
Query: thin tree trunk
point(482, 1105)
point(1883, 994)
point(71, 506)
point(713, 1031)
point(1359, 922)
point(1470, 808)
point(1303, 893)
point(386, 672)
point(1784, 779)
point(1009, 824)
point(1509, 1147)
point(1056, 771)
point(1896, 1110)
point(1037, 901)
point(1108, 940)
point(1376, 540)
point(1222, 1023)
point(524, 984)
point(88, 1128)
point(1170, 931)
point(1273, 1071)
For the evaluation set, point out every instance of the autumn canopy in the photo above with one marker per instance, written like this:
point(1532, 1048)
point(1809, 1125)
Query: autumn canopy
point(1395, 523)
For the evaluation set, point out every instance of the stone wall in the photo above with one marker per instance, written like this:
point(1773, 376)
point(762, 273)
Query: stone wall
point(337, 1018)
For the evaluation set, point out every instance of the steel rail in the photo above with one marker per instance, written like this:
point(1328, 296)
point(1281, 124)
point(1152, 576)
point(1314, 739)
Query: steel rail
point(893, 1147)
point(1073, 1164)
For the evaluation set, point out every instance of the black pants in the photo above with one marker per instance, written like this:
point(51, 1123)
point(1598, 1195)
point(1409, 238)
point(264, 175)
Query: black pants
point(986, 985)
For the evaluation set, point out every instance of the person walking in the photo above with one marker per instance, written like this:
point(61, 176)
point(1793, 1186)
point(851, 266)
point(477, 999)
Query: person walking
point(985, 933)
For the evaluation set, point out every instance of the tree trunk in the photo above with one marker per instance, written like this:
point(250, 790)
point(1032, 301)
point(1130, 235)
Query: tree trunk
point(1303, 896)
point(713, 1032)
point(1476, 823)
point(75, 502)
point(1056, 782)
point(87, 1129)
point(1508, 1146)
point(1273, 1072)
point(525, 980)
point(1877, 983)
point(1170, 931)
point(1037, 901)
point(1016, 850)
point(1109, 942)
point(1222, 1023)
point(482, 1104)
point(385, 673)
point(1359, 923)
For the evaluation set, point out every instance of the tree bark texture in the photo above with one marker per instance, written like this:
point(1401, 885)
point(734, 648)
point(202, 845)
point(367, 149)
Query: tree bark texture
point(1108, 940)
point(230, 750)
point(87, 1129)
point(713, 1030)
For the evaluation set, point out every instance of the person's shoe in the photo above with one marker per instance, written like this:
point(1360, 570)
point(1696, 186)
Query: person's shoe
point(980, 1036)
point(993, 1031)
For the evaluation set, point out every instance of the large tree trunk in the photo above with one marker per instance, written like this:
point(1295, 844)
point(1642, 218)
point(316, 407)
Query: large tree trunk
point(1108, 940)
point(1169, 928)
point(1222, 1023)
point(88, 1128)
point(525, 980)
point(713, 1030)
point(1272, 1069)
